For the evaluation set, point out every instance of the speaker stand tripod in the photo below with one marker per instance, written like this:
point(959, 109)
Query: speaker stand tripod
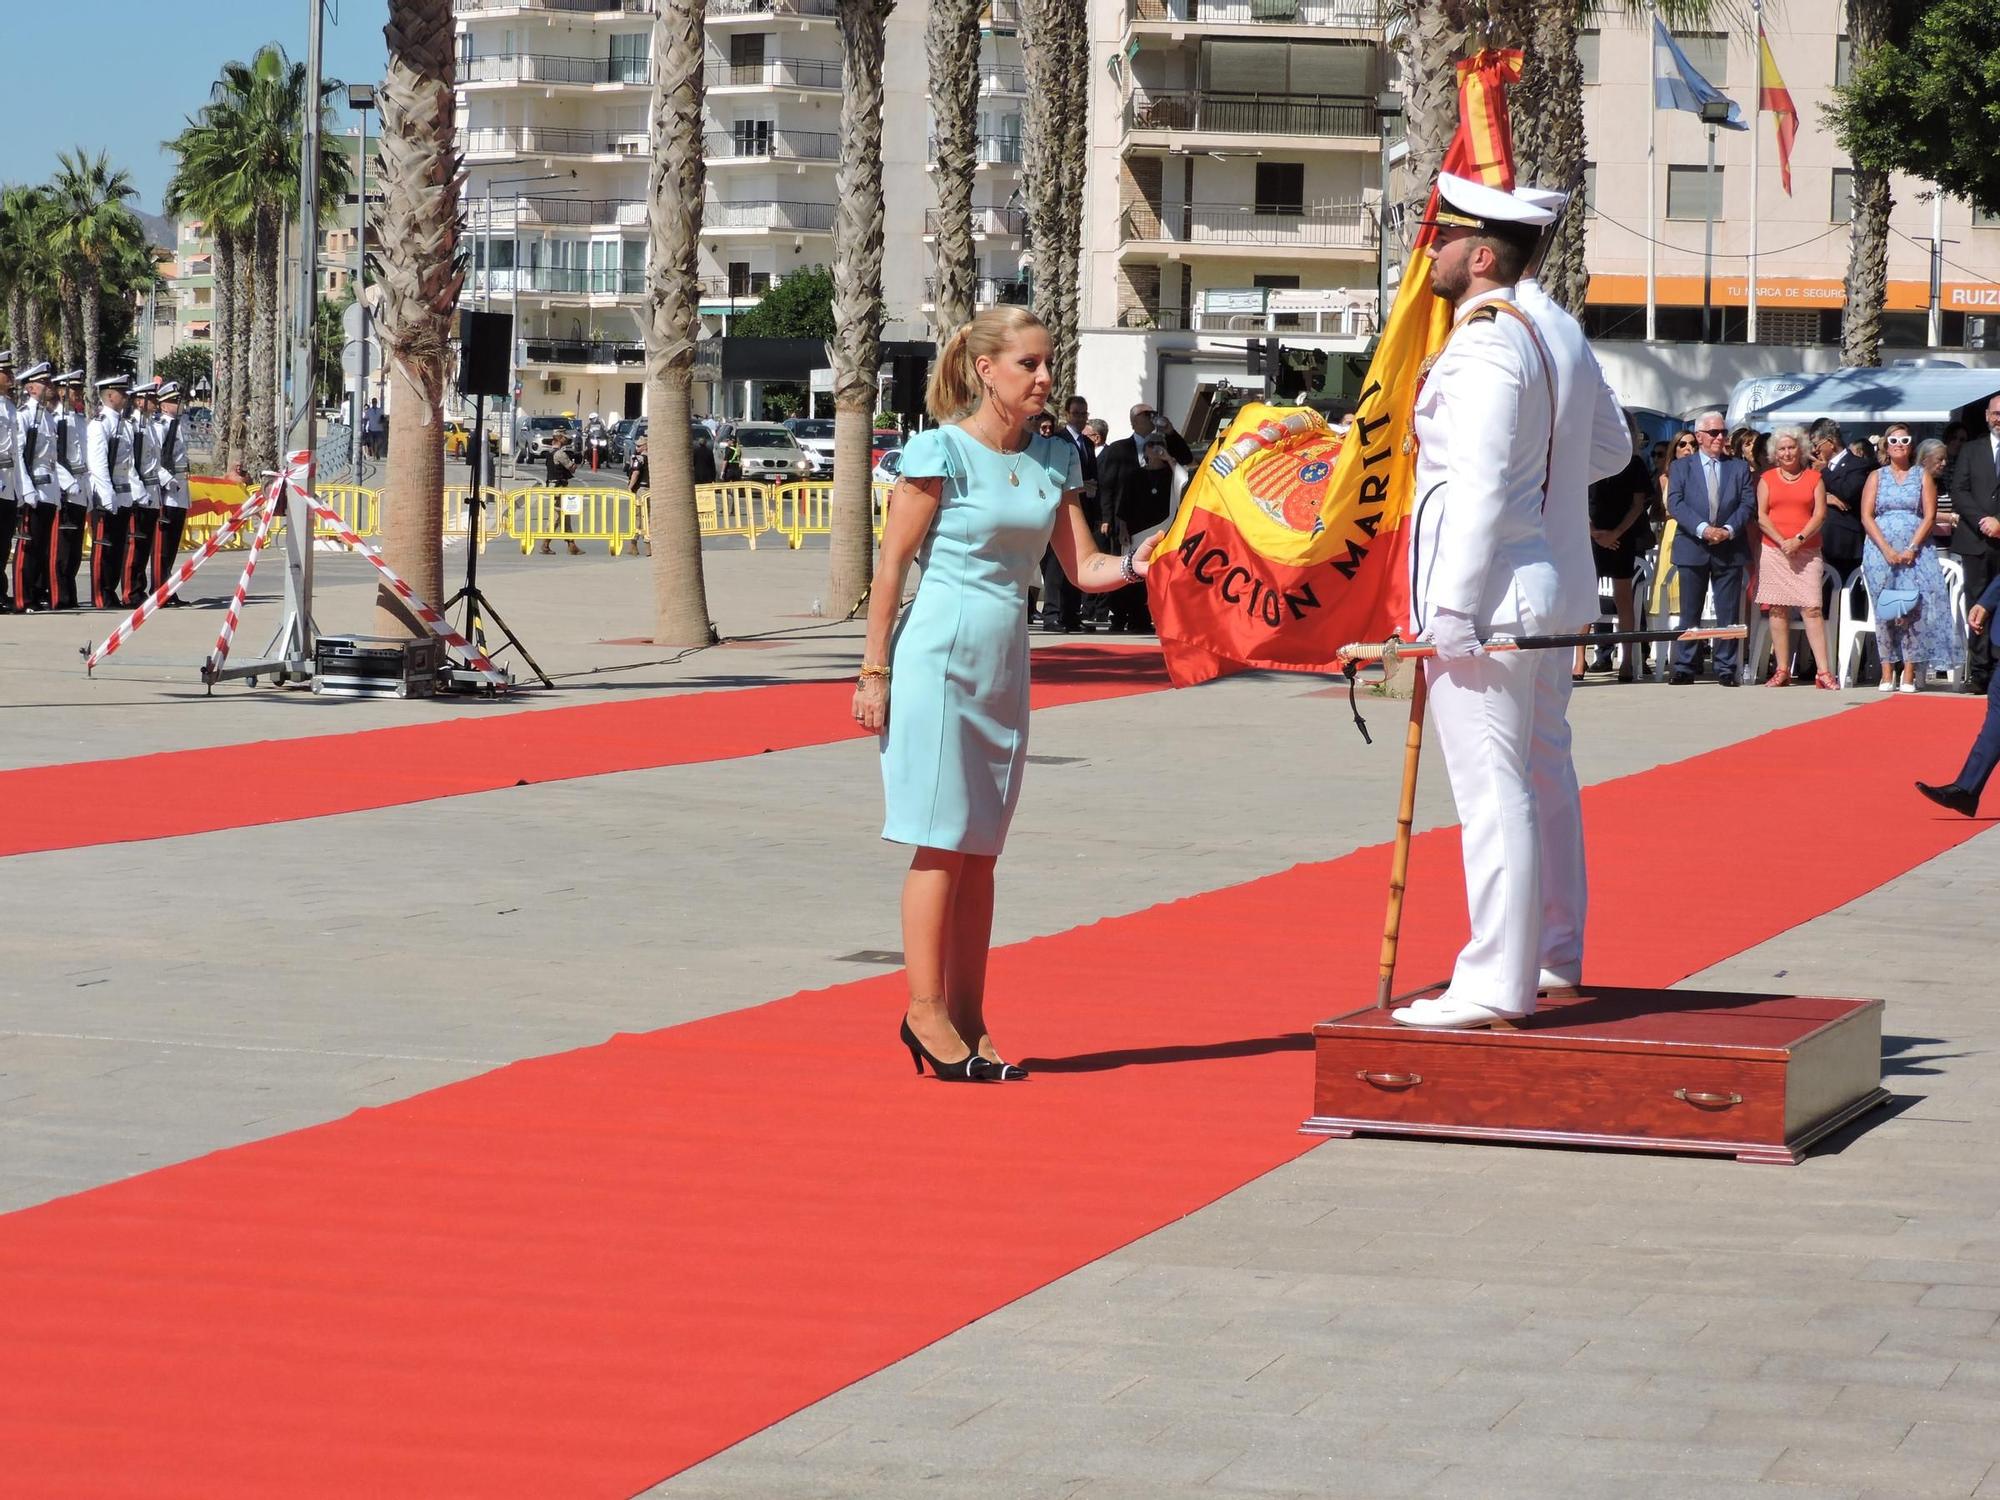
point(478, 608)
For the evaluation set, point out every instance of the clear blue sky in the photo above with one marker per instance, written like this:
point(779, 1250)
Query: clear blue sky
point(122, 76)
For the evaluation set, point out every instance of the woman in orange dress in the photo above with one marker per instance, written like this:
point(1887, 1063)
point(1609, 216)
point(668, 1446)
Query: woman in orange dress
point(1791, 509)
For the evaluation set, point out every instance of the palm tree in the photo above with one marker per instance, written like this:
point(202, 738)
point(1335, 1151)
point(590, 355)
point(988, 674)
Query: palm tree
point(1043, 126)
point(23, 263)
point(1868, 24)
point(952, 42)
point(419, 274)
point(94, 227)
point(857, 296)
point(680, 596)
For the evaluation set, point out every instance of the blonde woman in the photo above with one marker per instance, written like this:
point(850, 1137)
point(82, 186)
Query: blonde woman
point(980, 497)
point(1906, 581)
point(1791, 511)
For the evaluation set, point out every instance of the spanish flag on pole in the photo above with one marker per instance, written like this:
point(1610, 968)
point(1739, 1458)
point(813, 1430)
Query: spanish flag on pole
point(1288, 543)
point(1772, 95)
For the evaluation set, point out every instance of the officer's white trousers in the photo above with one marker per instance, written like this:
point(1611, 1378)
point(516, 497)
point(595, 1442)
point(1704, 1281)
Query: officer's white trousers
point(1501, 721)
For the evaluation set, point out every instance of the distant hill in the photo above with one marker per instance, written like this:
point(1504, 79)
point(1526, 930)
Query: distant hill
point(158, 229)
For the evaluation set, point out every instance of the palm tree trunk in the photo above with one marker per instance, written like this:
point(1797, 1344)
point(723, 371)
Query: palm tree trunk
point(221, 337)
point(1431, 45)
point(953, 46)
point(1546, 110)
point(261, 429)
point(1073, 158)
point(1868, 235)
point(93, 317)
point(239, 356)
point(1044, 52)
point(17, 318)
point(69, 313)
point(680, 595)
point(857, 298)
point(420, 278)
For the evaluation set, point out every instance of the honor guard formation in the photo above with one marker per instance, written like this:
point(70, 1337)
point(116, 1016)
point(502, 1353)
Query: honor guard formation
point(119, 478)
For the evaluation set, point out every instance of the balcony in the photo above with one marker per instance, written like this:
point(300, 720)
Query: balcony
point(568, 282)
point(604, 352)
point(1342, 15)
point(1332, 312)
point(556, 141)
point(987, 291)
point(767, 216)
point(1198, 112)
point(766, 10)
point(1009, 223)
point(988, 151)
point(764, 143)
point(510, 214)
point(556, 69)
point(1002, 78)
point(1002, 16)
point(586, 9)
point(1225, 226)
point(807, 73)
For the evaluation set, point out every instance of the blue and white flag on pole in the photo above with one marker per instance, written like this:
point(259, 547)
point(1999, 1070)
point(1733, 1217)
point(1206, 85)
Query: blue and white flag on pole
point(1676, 84)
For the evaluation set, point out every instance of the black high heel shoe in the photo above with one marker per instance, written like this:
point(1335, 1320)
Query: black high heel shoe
point(972, 1068)
point(1002, 1070)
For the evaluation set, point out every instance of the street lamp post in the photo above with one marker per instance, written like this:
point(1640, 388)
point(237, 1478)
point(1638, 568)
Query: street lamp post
point(1388, 110)
point(511, 418)
point(1714, 113)
point(361, 99)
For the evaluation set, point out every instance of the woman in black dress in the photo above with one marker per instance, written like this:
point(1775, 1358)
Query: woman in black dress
point(1620, 535)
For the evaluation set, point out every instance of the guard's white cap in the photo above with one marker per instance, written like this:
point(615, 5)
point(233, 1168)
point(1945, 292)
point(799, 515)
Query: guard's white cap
point(1465, 204)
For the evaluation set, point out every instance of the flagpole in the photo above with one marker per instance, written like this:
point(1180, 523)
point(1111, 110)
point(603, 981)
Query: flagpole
point(1756, 129)
point(1652, 191)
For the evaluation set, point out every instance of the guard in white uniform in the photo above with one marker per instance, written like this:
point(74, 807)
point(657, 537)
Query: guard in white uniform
point(111, 482)
point(35, 432)
point(72, 476)
point(174, 496)
point(13, 523)
point(1482, 563)
point(137, 580)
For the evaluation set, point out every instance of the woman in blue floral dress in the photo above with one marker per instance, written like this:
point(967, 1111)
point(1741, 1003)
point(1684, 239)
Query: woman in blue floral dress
point(1898, 510)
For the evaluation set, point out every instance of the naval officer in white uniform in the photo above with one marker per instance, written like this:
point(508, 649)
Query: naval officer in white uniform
point(1490, 485)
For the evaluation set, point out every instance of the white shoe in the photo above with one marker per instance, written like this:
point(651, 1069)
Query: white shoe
point(1887, 684)
point(1446, 1014)
point(1908, 687)
point(1557, 980)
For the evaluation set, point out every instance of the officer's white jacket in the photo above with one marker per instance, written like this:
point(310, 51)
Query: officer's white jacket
point(35, 434)
point(12, 481)
point(1592, 443)
point(146, 443)
point(1483, 424)
point(170, 440)
point(69, 454)
point(111, 479)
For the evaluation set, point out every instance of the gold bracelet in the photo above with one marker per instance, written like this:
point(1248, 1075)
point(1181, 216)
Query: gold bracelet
point(873, 669)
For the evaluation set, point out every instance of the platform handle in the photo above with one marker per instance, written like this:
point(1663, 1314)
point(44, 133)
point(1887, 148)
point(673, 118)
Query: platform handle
point(1719, 1101)
point(1391, 1080)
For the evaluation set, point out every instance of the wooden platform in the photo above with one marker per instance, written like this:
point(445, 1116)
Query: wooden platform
point(1757, 1077)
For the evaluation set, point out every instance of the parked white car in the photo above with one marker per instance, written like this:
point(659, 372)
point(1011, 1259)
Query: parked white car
point(890, 467)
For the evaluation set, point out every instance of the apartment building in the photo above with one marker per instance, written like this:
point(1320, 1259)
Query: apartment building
point(1802, 235)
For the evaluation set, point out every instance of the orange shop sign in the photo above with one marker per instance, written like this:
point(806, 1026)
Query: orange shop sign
point(1791, 292)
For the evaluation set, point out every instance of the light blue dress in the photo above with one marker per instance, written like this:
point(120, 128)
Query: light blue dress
point(1923, 638)
point(957, 737)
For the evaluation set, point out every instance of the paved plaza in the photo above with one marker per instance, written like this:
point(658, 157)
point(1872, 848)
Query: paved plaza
point(1377, 1318)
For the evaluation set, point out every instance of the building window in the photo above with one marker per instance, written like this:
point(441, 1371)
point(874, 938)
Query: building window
point(1586, 52)
point(1709, 52)
point(1985, 218)
point(1843, 60)
point(1841, 208)
point(1688, 191)
point(1281, 187)
point(628, 57)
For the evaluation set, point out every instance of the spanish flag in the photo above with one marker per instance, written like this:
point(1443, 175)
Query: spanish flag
point(1772, 95)
point(1288, 543)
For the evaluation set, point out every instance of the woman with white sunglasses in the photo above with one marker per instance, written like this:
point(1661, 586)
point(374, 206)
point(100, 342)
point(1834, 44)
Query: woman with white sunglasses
point(1912, 606)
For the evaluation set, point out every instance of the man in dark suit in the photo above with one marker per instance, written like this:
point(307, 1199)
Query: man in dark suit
point(1062, 601)
point(1713, 500)
point(1975, 495)
point(1845, 476)
point(1962, 794)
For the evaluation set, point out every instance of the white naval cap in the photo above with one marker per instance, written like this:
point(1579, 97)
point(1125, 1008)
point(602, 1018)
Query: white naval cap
point(6, 359)
point(150, 389)
point(1465, 204)
point(70, 377)
point(40, 370)
point(115, 383)
point(170, 390)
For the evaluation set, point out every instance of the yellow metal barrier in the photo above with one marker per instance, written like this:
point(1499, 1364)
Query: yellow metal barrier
point(544, 515)
point(458, 514)
point(806, 510)
point(881, 502)
point(735, 509)
point(358, 507)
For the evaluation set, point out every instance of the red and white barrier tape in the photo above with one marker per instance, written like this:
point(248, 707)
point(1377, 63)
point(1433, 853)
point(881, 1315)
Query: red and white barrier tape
point(234, 615)
point(183, 571)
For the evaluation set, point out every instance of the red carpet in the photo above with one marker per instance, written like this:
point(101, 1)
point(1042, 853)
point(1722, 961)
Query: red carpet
point(582, 1273)
point(279, 781)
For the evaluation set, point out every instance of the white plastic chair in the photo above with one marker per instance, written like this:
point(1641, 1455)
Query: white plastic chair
point(1854, 629)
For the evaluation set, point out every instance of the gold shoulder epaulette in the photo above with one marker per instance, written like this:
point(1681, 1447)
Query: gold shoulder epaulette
point(1487, 314)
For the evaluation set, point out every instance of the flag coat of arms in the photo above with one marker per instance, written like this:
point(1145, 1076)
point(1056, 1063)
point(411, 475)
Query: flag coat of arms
point(1289, 541)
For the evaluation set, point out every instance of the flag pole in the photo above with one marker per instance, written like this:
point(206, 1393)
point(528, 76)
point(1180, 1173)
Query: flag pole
point(1756, 129)
point(1652, 190)
point(1399, 858)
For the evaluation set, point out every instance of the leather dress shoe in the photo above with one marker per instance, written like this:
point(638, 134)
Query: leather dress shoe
point(1725, 682)
point(1681, 679)
point(1442, 1013)
point(1952, 796)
